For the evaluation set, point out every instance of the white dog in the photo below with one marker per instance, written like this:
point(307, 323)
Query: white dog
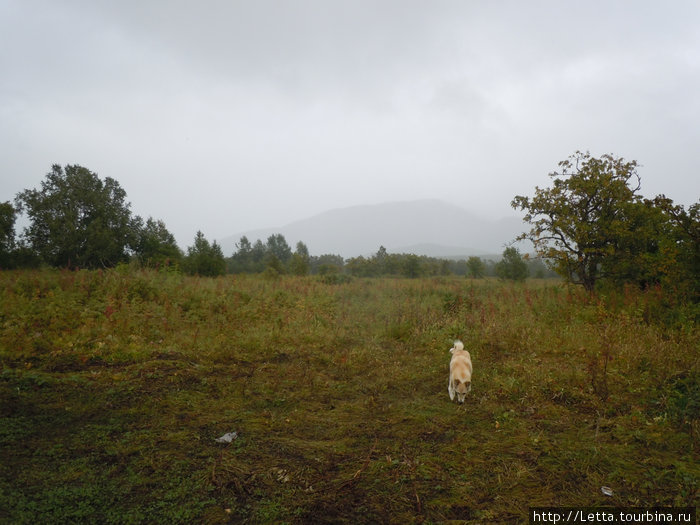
point(460, 372)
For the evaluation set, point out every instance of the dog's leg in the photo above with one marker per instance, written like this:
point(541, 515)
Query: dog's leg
point(450, 389)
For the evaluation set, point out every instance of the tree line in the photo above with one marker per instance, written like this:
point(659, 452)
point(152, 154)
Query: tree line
point(78, 220)
point(591, 227)
point(276, 257)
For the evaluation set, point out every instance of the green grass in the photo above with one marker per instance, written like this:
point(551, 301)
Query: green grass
point(115, 384)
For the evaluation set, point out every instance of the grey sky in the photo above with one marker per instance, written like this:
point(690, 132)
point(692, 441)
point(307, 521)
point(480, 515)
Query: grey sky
point(224, 116)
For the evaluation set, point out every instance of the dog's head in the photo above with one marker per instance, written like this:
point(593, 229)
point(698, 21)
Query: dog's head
point(461, 389)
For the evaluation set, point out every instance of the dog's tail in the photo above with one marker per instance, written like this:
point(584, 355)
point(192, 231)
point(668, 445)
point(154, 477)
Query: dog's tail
point(458, 345)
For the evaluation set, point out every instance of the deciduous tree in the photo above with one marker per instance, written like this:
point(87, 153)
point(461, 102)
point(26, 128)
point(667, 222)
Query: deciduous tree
point(7, 234)
point(77, 219)
point(512, 266)
point(300, 263)
point(476, 267)
point(155, 245)
point(277, 246)
point(578, 223)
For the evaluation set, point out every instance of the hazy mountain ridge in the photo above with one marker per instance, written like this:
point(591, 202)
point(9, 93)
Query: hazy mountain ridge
point(423, 227)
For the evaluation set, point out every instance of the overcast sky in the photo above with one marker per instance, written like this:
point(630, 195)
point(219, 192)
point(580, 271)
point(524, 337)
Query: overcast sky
point(225, 116)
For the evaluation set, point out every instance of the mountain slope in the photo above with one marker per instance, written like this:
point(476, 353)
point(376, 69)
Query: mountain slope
point(425, 227)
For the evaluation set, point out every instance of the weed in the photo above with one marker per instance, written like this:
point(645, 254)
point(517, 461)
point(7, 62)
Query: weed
point(116, 383)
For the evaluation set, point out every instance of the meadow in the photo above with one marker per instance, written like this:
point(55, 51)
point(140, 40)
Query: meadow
point(115, 385)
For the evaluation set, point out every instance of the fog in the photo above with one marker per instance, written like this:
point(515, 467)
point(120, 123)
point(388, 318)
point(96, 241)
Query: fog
point(230, 116)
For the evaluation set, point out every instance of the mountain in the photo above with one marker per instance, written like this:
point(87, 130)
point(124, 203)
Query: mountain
point(423, 227)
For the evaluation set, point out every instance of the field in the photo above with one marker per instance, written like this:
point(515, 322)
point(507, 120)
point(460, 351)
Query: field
point(115, 385)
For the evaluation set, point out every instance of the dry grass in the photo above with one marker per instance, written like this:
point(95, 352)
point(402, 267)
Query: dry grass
point(115, 385)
